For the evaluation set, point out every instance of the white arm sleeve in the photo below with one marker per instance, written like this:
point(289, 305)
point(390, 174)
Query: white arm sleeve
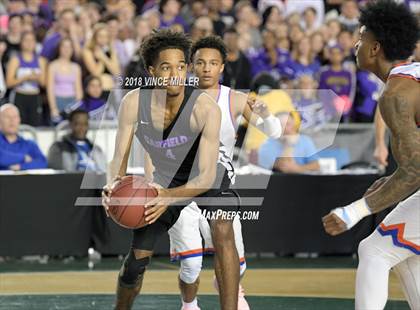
point(270, 126)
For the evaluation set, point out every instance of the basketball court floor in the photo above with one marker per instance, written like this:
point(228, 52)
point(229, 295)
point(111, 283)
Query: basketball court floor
point(270, 283)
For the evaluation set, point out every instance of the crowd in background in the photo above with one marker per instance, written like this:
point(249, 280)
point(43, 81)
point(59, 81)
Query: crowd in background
point(57, 57)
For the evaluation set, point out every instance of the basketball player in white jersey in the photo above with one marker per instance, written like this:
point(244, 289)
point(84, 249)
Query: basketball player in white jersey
point(388, 36)
point(208, 58)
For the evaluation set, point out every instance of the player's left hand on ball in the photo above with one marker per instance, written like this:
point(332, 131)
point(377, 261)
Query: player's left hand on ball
point(333, 225)
point(158, 205)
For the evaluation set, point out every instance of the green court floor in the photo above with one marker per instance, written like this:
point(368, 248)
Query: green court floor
point(169, 302)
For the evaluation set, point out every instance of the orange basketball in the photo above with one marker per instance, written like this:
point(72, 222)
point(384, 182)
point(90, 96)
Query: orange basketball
point(128, 199)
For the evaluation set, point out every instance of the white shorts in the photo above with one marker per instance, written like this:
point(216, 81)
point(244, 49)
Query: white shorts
point(187, 235)
point(402, 225)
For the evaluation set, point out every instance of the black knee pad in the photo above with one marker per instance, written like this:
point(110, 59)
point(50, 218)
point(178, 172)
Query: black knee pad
point(133, 269)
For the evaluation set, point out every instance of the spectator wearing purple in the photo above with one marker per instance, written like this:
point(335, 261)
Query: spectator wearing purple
point(43, 14)
point(17, 153)
point(369, 88)
point(341, 81)
point(170, 14)
point(303, 59)
point(270, 58)
point(67, 27)
point(64, 82)
point(26, 73)
point(92, 102)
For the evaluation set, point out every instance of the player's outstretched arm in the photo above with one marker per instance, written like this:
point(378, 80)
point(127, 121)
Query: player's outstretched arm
point(397, 107)
point(127, 120)
point(256, 113)
point(398, 111)
point(207, 117)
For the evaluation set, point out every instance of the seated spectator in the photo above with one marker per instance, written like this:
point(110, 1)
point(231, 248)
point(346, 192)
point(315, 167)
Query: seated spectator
point(213, 11)
point(341, 81)
point(271, 18)
point(26, 73)
point(93, 102)
point(303, 59)
point(100, 58)
point(17, 153)
point(318, 47)
point(75, 152)
point(291, 153)
point(237, 72)
point(270, 58)
point(64, 83)
point(248, 22)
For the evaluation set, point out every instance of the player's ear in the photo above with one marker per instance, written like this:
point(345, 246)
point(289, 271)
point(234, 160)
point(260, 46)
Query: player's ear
point(151, 70)
point(376, 47)
point(222, 68)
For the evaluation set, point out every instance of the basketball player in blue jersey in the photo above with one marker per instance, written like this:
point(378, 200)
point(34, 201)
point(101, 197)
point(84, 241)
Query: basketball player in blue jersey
point(388, 36)
point(179, 130)
point(208, 56)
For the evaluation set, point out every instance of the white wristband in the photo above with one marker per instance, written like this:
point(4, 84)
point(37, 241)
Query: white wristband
point(353, 213)
point(270, 126)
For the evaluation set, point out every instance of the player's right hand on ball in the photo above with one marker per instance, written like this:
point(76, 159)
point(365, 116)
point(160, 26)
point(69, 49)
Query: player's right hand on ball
point(107, 192)
point(333, 225)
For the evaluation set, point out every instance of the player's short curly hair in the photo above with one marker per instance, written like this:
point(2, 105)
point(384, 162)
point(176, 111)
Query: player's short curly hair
point(394, 27)
point(211, 41)
point(163, 39)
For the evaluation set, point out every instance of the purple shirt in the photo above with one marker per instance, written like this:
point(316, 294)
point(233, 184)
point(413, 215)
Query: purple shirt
point(301, 69)
point(260, 62)
point(368, 92)
point(49, 46)
point(340, 82)
point(177, 20)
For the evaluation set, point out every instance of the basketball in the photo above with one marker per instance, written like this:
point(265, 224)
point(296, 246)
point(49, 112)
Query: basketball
point(128, 199)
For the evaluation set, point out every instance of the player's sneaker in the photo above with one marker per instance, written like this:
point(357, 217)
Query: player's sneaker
point(242, 303)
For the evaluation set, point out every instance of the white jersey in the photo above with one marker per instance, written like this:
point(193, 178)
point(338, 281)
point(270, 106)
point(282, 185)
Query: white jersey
point(227, 131)
point(409, 70)
point(228, 126)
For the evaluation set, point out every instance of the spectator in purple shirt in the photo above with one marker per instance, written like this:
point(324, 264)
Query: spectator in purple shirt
point(17, 153)
point(67, 27)
point(170, 14)
point(270, 58)
point(341, 81)
point(303, 59)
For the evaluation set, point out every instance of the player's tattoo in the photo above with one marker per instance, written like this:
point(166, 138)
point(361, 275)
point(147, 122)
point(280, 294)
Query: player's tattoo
point(398, 114)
